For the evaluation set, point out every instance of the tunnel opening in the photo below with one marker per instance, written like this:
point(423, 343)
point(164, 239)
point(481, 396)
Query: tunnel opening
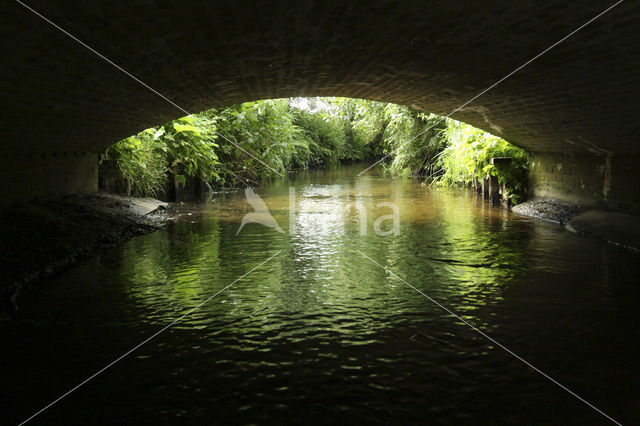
point(577, 121)
point(245, 144)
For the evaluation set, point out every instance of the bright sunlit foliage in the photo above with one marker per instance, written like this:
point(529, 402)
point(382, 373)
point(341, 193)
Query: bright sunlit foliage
point(254, 141)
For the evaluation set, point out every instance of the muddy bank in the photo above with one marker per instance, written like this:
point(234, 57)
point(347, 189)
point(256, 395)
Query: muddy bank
point(616, 228)
point(43, 238)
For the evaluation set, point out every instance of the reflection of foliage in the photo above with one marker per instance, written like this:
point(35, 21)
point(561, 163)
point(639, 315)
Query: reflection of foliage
point(169, 272)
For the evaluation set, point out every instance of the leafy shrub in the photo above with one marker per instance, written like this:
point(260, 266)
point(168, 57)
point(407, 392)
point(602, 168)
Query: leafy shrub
point(468, 154)
point(254, 141)
point(323, 135)
point(141, 162)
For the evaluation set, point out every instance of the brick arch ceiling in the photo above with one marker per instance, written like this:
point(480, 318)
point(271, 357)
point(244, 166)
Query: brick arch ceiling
point(581, 96)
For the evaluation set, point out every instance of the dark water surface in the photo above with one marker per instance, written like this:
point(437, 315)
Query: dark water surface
point(322, 334)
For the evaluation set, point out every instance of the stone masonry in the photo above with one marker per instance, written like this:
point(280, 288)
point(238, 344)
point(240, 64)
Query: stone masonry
point(578, 101)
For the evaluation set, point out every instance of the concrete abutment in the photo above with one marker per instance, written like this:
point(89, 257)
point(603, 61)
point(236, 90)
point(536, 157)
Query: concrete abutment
point(611, 181)
point(43, 176)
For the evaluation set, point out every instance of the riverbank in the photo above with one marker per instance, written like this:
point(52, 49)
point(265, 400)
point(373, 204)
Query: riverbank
point(616, 228)
point(43, 238)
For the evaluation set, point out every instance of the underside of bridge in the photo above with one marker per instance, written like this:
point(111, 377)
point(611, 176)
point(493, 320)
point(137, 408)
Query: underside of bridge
point(575, 108)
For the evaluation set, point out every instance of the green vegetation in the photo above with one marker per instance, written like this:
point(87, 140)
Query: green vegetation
point(254, 141)
point(467, 156)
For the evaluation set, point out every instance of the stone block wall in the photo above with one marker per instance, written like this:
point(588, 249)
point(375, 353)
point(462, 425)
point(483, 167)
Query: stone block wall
point(611, 182)
point(40, 176)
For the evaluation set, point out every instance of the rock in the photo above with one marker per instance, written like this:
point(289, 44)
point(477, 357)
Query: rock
point(617, 228)
point(549, 209)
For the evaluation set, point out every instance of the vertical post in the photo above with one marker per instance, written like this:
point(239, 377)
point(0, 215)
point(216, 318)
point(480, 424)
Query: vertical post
point(174, 179)
point(485, 187)
point(498, 191)
point(494, 190)
point(476, 185)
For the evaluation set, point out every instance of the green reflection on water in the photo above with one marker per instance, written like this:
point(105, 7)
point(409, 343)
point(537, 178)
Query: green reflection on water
point(451, 245)
point(321, 320)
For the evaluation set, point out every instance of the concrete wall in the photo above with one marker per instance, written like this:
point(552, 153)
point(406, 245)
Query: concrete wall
point(609, 181)
point(40, 176)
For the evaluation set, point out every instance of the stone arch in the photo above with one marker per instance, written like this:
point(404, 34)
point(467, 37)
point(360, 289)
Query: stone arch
point(576, 105)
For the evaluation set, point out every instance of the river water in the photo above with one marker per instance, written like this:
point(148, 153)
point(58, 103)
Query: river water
point(321, 332)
